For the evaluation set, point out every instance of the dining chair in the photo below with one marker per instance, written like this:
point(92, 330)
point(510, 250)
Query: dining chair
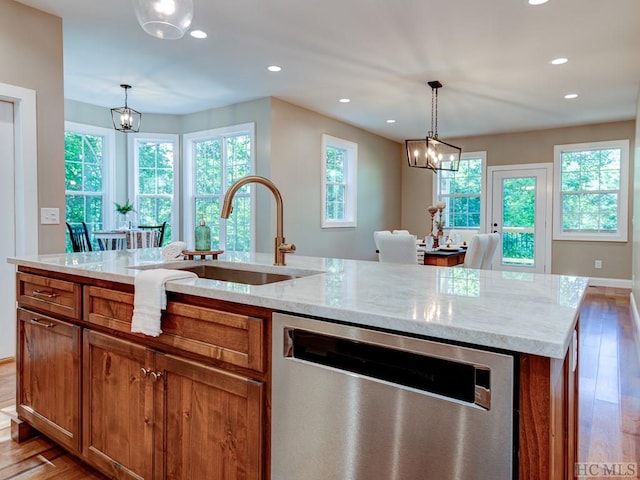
point(79, 236)
point(397, 249)
point(487, 260)
point(377, 234)
point(159, 228)
point(476, 251)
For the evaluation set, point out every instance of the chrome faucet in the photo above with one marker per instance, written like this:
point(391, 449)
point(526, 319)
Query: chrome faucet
point(281, 248)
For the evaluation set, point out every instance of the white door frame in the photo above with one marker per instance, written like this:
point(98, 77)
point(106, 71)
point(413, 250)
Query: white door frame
point(25, 167)
point(548, 194)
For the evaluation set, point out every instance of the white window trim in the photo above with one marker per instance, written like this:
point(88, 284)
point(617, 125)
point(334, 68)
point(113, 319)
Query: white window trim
point(188, 140)
point(132, 140)
point(483, 193)
point(108, 165)
point(351, 194)
point(623, 202)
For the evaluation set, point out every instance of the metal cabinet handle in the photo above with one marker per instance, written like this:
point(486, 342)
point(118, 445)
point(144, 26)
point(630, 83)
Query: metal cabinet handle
point(145, 371)
point(155, 376)
point(40, 293)
point(35, 321)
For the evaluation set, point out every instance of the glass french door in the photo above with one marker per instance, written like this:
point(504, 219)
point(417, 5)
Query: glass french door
point(520, 212)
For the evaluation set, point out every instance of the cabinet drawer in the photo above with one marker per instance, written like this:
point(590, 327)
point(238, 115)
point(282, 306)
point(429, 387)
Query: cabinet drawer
point(229, 337)
point(49, 295)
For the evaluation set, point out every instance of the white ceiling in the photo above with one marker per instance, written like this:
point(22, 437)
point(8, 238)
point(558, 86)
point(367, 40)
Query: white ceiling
point(492, 57)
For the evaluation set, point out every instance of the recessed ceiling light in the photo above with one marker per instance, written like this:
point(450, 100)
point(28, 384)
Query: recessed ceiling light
point(274, 68)
point(198, 34)
point(391, 121)
point(345, 100)
point(559, 61)
point(537, 2)
point(569, 96)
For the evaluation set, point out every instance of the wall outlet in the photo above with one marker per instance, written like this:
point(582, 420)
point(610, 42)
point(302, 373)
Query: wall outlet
point(598, 264)
point(50, 216)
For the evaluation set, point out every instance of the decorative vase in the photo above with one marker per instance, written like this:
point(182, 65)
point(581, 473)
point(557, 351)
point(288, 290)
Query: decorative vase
point(124, 222)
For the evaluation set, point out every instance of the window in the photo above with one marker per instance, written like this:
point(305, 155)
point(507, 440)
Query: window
point(592, 181)
point(339, 182)
point(154, 180)
point(463, 192)
point(214, 160)
point(88, 158)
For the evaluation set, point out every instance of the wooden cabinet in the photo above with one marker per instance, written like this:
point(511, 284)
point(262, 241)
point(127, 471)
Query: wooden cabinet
point(210, 422)
point(117, 406)
point(48, 393)
point(151, 415)
point(235, 338)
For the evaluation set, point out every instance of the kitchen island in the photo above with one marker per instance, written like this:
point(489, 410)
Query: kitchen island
point(217, 345)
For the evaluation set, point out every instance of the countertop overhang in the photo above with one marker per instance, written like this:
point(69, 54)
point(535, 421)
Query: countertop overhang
point(520, 312)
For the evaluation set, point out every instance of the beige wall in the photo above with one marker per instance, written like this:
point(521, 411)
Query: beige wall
point(636, 213)
point(568, 257)
point(296, 169)
point(31, 57)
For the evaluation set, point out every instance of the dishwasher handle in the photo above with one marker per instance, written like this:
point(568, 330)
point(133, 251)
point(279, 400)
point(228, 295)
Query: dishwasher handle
point(466, 382)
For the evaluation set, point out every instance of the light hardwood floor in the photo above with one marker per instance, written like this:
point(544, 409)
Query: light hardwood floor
point(609, 411)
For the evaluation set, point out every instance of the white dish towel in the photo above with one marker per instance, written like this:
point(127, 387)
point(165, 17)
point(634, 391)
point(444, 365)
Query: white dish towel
point(173, 251)
point(151, 298)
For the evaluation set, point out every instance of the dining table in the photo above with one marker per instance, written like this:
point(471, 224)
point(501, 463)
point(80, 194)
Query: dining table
point(126, 239)
point(445, 257)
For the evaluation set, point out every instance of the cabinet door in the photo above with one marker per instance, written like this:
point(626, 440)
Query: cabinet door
point(118, 406)
point(210, 423)
point(49, 377)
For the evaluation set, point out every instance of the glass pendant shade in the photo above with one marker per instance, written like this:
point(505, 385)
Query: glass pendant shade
point(164, 19)
point(126, 119)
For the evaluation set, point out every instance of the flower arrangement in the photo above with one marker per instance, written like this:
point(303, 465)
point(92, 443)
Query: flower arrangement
point(124, 208)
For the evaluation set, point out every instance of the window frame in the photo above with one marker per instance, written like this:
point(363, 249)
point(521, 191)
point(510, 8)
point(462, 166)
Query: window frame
point(189, 207)
point(108, 166)
point(351, 184)
point(437, 196)
point(623, 192)
point(133, 139)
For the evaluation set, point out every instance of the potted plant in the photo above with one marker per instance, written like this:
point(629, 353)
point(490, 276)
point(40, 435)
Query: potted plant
point(124, 210)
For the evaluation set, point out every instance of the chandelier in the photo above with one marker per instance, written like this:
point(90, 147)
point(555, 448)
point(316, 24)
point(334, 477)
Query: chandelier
point(432, 152)
point(164, 19)
point(126, 119)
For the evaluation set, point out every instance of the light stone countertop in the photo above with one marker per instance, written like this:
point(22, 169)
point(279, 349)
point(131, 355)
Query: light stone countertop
point(521, 312)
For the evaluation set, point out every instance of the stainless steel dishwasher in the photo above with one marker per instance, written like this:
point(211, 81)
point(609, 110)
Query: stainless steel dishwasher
point(355, 404)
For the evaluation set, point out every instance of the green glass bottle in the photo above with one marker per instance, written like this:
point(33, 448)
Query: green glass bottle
point(203, 237)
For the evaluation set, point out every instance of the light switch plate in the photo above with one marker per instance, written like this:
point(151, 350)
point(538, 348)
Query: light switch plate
point(50, 216)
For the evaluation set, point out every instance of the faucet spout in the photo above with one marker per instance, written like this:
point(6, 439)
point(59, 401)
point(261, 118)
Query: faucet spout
point(280, 247)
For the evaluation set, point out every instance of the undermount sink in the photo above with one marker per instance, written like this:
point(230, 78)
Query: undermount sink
point(245, 274)
point(249, 277)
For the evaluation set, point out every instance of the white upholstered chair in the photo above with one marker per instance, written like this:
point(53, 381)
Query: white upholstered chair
point(401, 232)
point(476, 251)
point(487, 260)
point(397, 249)
point(377, 234)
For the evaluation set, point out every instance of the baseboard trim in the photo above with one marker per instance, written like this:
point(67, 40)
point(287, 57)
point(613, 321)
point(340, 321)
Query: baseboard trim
point(635, 317)
point(610, 282)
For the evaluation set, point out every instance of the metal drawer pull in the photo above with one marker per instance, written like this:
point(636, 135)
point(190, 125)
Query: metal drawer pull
point(35, 321)
point(39, 293)
point(155, 376)
point(145, 372)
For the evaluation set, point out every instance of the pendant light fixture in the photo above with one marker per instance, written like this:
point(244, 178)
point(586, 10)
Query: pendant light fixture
point(164, 19)
point(432, 152)
point(126, 119)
